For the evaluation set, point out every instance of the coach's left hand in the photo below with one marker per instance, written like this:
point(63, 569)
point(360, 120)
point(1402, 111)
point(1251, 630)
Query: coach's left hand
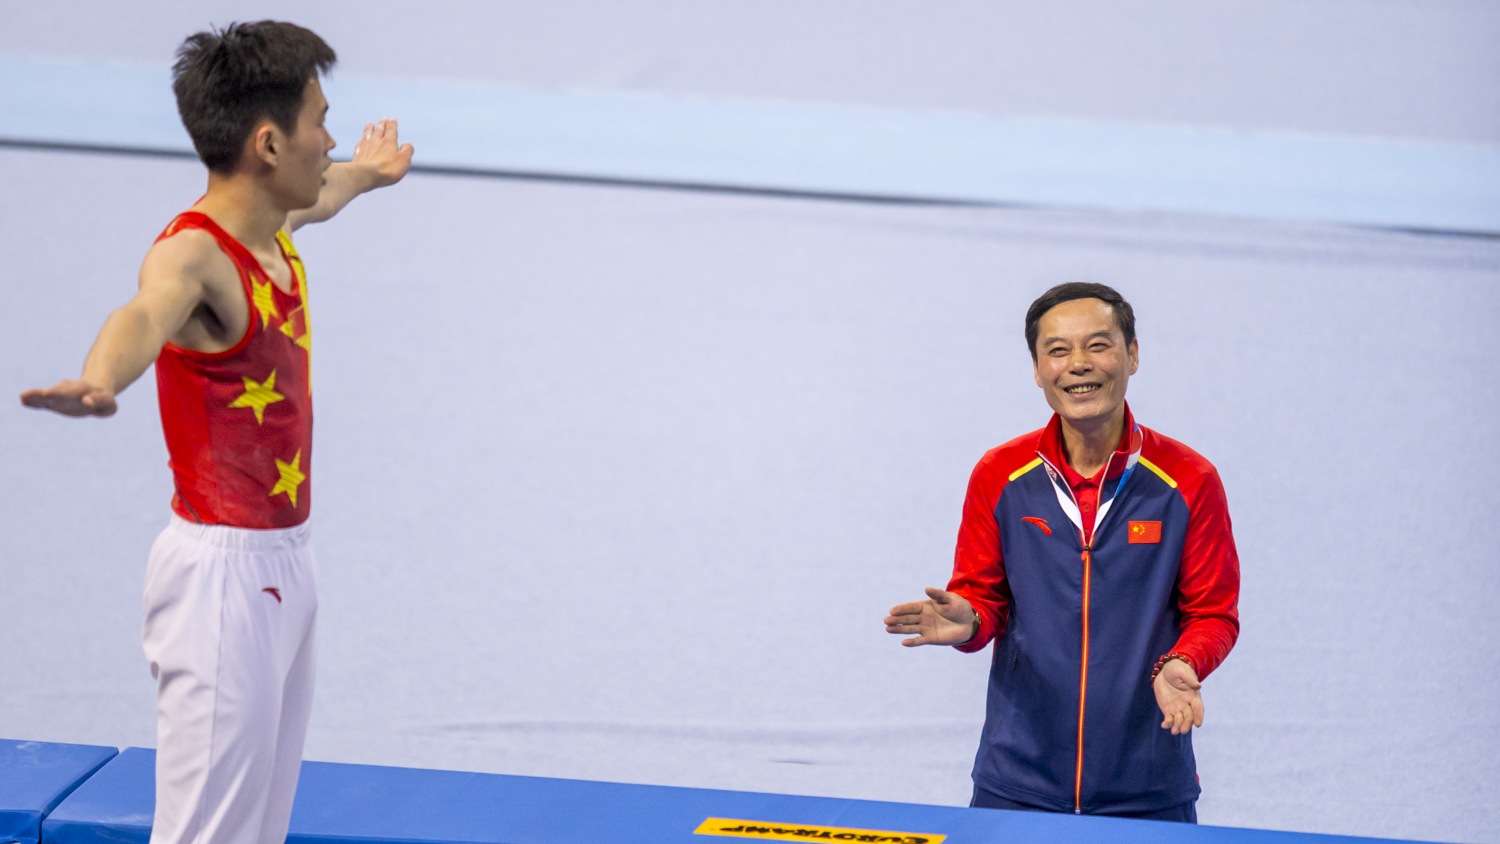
point(1177, 693)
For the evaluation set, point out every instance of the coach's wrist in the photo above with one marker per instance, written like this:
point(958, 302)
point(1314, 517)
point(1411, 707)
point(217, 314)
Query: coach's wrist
point(973, 628)
point(1166, 658)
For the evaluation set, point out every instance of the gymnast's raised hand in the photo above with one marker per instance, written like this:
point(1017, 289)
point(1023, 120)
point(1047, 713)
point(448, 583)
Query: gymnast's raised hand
point(379, 161)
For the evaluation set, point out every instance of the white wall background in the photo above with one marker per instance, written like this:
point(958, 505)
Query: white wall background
point(1390, 68)
point(617, 484)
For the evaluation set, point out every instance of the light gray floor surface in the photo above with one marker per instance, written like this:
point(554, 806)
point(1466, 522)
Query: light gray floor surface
point(617, 484)
point(1424, 69)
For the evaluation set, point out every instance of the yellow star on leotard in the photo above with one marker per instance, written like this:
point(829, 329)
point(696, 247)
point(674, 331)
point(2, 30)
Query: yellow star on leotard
point(289, 328)
point(257, 396)
point(291, 477)
point(265, 302)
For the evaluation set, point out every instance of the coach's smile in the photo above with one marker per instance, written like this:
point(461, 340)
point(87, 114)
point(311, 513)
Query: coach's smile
point(1083, 363)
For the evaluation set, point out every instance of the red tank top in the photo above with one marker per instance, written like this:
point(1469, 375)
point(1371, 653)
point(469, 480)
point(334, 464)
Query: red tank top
point(238, 423)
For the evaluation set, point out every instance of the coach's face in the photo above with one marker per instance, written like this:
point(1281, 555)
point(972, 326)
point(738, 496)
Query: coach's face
point(1082, 361)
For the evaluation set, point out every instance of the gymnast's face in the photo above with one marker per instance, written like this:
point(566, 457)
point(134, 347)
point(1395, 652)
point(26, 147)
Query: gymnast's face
point(302, 156)
point(1082, 361)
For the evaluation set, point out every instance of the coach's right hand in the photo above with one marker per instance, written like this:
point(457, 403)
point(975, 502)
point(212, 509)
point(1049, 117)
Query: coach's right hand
point(945, 618)
point(72, 398)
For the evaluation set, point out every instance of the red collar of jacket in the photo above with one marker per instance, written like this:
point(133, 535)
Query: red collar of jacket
point(1050, 449)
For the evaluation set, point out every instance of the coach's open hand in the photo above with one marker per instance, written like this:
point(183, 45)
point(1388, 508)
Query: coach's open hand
point(945, 618)
point(1177, 694)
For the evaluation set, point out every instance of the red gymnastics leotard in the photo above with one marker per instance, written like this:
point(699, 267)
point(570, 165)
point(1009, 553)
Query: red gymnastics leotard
point(238, 423)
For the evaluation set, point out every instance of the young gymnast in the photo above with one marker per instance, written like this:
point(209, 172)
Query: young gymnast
point(230, 601)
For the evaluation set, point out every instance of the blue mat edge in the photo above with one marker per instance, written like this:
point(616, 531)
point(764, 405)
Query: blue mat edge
point(80, 831)
point(39, 816)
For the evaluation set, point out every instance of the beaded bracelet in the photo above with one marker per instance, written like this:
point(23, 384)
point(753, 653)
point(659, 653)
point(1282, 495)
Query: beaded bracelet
point(1156, 669)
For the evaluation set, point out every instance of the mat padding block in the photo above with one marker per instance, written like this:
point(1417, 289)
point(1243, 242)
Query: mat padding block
point(114, 805)
point(346, 804)
point(35, 776)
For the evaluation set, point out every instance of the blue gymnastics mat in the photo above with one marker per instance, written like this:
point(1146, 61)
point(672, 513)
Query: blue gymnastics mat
point(35, 776)
point(342, 804)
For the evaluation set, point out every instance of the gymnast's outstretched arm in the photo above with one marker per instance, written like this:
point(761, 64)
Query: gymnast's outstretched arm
point(172, 286)
point(379, 161)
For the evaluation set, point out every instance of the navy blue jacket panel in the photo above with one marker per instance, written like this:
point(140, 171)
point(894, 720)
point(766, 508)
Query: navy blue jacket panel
point(1072, 723)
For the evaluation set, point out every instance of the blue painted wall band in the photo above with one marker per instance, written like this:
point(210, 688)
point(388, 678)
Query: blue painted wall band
point(817, 149)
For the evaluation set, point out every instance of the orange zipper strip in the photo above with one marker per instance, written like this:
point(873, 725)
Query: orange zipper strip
point(1083, 671)
point(1083, 687)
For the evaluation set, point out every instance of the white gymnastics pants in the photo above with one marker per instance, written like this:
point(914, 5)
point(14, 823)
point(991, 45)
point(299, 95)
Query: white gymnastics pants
point(229, 634)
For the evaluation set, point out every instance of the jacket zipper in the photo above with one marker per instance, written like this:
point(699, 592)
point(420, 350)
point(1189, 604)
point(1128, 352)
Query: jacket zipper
point(1083, 670)
point(1083, 683)
point(1087, 556)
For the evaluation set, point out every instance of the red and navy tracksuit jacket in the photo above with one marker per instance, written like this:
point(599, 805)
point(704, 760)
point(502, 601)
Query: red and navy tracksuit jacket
point(1071, 722)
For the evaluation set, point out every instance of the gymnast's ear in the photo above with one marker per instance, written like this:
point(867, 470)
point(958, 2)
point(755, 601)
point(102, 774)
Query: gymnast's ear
point(264, 145)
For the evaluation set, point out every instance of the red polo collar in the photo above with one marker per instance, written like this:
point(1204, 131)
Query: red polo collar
point(1050, 448)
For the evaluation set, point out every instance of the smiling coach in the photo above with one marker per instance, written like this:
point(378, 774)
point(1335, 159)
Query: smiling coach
point(1098, 554)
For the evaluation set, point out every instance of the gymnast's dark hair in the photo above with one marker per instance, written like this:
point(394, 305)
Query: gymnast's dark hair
point(1124, 315)
point(227, 81)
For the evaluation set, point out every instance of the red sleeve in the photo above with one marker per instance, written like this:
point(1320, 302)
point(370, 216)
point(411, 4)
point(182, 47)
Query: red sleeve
point(1208, 581)
point(978, 570)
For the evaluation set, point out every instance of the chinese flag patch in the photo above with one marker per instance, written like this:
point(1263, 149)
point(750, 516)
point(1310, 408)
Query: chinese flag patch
point(1145, 533)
